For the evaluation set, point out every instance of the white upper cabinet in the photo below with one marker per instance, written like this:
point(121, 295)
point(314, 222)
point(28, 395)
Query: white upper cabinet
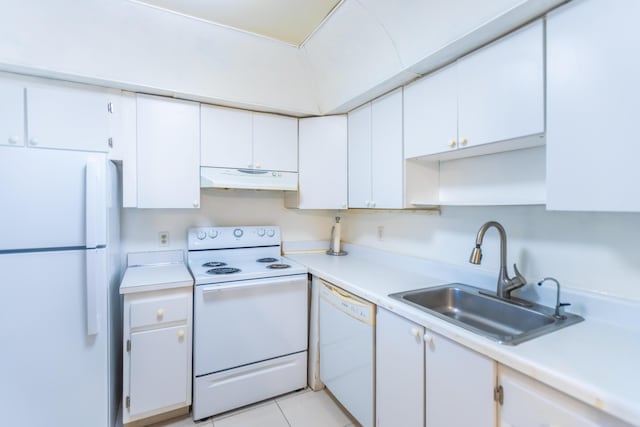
point(387, 177)
point(375, 154)
point(226, 138)
point(11, 113)
point(593, 99)
point(241, 139)
point(501, 89)
point(495, 94)
point(431, 114)
point(67, 117)
point(275, 142)
point(62, 115)
point(323, 164)
point(168, 153)
point(359, 155)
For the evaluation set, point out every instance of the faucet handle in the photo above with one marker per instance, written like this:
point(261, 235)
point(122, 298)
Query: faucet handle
point(519, 277)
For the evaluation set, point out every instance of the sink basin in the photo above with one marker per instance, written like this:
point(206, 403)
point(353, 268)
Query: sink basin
point(477, 310)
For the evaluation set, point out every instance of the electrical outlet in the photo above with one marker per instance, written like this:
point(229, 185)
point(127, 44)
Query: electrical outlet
point(163, 238)
point(380, 232)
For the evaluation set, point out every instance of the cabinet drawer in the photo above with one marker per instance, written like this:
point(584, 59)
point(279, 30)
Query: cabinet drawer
point(158, 311)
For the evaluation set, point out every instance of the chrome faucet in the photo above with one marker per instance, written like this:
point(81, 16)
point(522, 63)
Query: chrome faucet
point(557, 314)
point(506, 284)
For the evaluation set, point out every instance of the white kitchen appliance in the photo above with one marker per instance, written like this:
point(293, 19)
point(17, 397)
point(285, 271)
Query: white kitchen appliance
point(250, 318)
point(59, 258)
point(347, 340)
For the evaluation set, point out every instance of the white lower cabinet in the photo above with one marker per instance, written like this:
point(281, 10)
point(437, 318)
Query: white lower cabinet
point(157, 352)
point(459, 385)
point(529, 403)
point(399, 371)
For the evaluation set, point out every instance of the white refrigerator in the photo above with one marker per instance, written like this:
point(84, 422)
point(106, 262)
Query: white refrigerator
point(59, 275)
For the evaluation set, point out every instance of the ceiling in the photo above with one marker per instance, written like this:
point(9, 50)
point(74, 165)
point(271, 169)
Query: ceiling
point(288, 21)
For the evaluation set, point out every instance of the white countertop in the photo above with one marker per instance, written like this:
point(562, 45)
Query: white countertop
point(594, 361)
point(151, 271)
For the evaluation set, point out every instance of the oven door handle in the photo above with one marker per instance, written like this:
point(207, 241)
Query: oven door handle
point(271, 281)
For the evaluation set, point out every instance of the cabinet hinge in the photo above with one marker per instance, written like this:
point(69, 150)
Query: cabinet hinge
point(110, 107)
point(128, 345)
point(110, 142)
point(498, 394)
point(128, 402)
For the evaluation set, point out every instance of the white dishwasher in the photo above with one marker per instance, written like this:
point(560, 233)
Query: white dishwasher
point(347, 342)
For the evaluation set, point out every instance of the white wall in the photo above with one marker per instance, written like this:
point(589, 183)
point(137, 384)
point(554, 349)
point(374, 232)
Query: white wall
point(589, 251)
point(140, 227)
point(127, 45)
point(593, 251)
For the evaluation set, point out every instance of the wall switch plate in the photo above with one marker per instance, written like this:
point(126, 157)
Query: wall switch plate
point(163, 238)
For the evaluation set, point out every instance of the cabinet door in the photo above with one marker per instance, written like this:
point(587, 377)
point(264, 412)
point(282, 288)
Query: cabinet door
point(226, 138)
point(399, 371)
point(593, 99)
point(455, 376)
point(168, 155)
point(529, 403)
point(431, 114)
point(67, 117)
point(387, 177)
point(159, 369)
point(323, 163)
point(11, 113)
point(275, 142)
point(501, 89)
point(359, 157)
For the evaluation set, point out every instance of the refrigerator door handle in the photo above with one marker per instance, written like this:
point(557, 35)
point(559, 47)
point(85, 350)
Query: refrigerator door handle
point(92, 270)
point(91, 204)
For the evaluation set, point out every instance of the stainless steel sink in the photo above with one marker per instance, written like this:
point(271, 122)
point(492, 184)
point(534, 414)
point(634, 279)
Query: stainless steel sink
point(475, 309)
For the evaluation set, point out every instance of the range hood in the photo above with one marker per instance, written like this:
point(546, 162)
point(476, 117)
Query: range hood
point(251, 179)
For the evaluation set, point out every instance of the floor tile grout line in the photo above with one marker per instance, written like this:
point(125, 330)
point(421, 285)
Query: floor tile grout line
point(283, 414)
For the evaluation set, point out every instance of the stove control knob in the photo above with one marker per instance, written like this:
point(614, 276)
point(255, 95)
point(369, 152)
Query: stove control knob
point(271, 232)
point(238, 232)
point(213, 234)
point(261, 232)
point(201, 235)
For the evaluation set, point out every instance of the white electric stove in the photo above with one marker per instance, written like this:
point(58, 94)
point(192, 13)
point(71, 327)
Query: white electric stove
point(250, 318)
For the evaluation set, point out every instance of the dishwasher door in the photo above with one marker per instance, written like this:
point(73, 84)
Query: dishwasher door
point(347, 334)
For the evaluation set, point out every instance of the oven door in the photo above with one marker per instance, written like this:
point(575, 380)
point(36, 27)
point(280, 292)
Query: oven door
point(238, 323)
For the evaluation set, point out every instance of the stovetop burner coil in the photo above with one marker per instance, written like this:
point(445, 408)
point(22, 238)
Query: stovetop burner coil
point(223, 270)
point(269, 259)
point(214, 264)
point(278, 266)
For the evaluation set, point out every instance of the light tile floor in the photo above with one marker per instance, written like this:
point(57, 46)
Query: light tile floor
point(303, 408)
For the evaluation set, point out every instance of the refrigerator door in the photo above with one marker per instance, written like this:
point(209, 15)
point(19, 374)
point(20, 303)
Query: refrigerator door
point(52, 199)
point(54, 366)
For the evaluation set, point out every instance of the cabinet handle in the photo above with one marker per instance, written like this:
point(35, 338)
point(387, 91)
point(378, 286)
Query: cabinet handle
point(249, 164)
point(428, 338)
point(160, 313)
point(258, 166)
point(373, 204)
point(416, 332)
point(33, 141)
point(463, 141)
point(181, 334)
point(196, 203)
point(13, 140)
point(452, 143)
